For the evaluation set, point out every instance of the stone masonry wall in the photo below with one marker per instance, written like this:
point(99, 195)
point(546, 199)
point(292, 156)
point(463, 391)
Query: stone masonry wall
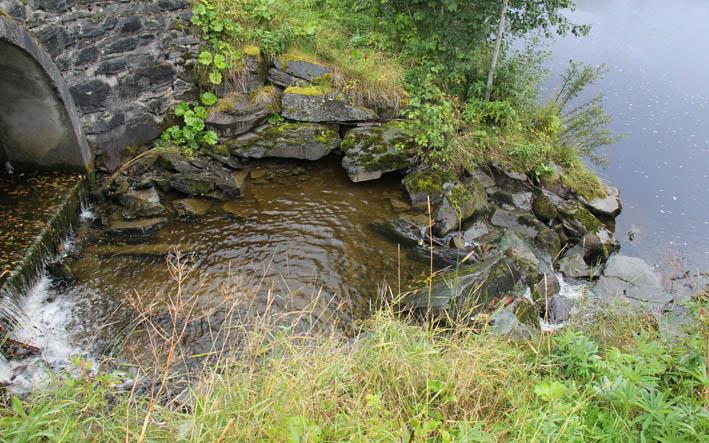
point(126, 62)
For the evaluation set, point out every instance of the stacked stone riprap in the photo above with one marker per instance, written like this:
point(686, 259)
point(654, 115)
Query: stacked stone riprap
point(124, 61)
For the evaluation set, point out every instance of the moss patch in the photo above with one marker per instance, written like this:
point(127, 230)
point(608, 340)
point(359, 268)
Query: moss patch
point(251, 50)
point(430, 181)
point(315, 90)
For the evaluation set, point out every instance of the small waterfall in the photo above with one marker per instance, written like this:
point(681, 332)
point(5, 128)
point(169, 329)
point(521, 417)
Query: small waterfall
point(33, 319)
point(41, 321)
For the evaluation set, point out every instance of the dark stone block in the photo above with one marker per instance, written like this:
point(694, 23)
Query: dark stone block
point(54, 39)
point(121, 45)
point(86, 55)
point(131, 24)
point(88, 30)
point(90, 95)
point(172, 5)
point(108, 124)
point(52, 5)
point(109, 23)
point(111, 66)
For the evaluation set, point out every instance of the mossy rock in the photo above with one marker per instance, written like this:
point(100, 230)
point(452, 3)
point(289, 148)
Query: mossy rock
point(306, 141)
point(428, 184)
point(544, 208)
point(370, 152)
point(461, 202)
point(578, 220)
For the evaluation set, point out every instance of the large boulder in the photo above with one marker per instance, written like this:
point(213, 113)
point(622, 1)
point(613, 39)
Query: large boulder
point(318, 104)
point(237, 114)
point(545, 206)
point(467, 289)
point(371, 151)
point(307, 141)
point(631, 278)
point(141, 203)
point(578, 220)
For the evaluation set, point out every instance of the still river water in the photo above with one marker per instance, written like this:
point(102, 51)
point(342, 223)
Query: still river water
point(657, 91)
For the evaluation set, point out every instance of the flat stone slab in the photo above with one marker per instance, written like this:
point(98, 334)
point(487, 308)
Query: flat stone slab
point(305, 141)
point(310, 104)
point(631, 277)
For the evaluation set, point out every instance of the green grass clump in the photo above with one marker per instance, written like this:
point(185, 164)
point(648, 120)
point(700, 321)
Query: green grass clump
point(320, 32)
point(399, 381)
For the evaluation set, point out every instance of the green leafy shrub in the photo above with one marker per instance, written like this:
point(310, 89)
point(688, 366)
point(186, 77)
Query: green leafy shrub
point(192, 134)
point(432, 122)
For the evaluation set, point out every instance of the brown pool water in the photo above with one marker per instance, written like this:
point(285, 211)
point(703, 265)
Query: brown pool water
point(302, 230)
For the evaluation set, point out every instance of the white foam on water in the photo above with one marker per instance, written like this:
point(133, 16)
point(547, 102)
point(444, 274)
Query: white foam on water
point(570, 291)
point(86, 213)
point(43, 323)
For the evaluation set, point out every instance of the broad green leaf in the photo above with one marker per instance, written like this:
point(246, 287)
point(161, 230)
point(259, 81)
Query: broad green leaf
point(181, 109)
point(205, 58)
point(215, 78)
point(208, 98)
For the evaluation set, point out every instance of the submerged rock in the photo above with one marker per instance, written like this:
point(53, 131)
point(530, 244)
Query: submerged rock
point(141, 203)
point(371, 151)
point(138, 228)
point(316, 104)
point(632, 278)
point(191, 207)
point(306, 141)
point(60, 271)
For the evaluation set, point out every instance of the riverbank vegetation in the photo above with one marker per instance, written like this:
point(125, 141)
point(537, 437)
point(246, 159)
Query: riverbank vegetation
point(615, 378)
point(428, 62)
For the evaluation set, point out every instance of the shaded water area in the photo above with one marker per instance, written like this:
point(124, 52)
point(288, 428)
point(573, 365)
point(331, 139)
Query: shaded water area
point(302, 231)
point(657, 91)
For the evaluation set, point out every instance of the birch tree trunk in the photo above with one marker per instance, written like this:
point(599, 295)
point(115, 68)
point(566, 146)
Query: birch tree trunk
point(496, 52)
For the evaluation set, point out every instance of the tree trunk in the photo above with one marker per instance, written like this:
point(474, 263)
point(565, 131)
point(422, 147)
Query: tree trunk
point(496, 52)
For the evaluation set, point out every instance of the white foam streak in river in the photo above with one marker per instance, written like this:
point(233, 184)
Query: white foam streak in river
point(568, 290)
point(43, 323)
